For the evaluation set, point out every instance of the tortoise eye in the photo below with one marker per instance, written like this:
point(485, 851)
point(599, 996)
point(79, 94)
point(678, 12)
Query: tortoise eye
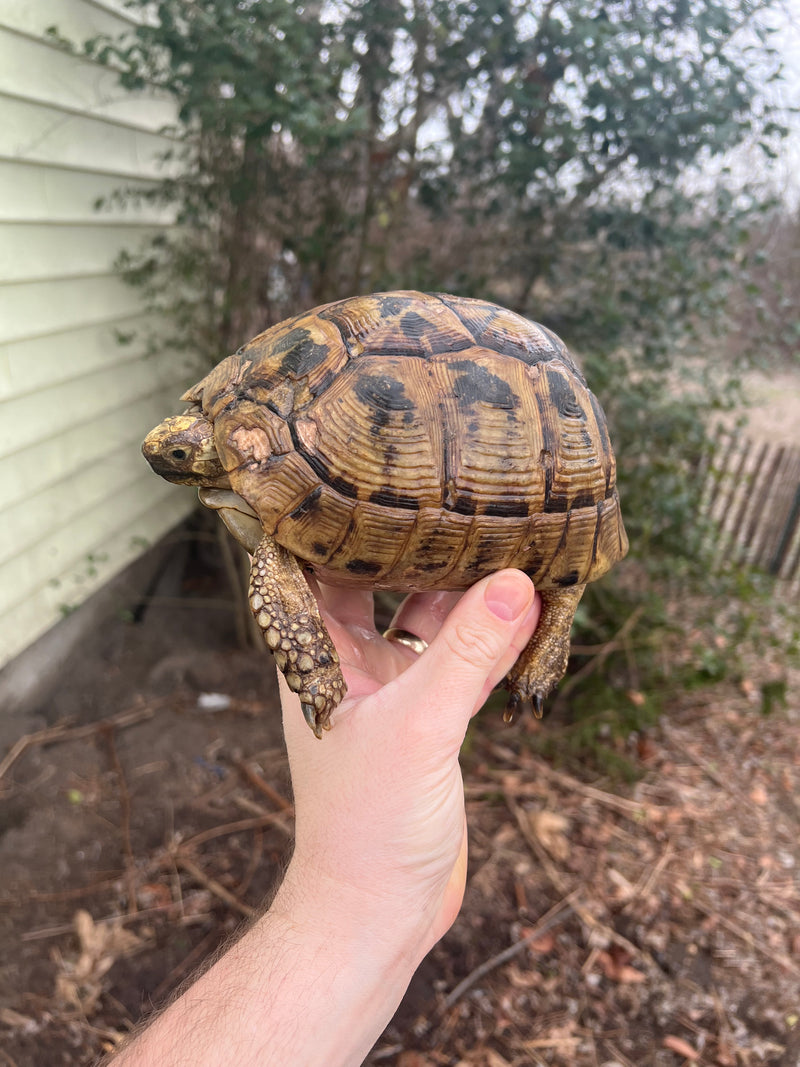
point(179, 453)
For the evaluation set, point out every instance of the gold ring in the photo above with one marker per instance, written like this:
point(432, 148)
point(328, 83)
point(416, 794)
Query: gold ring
point(403, 637)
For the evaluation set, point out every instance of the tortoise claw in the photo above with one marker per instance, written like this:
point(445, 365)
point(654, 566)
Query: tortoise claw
point(310, 715)
point(517, 704)
point(512, 707)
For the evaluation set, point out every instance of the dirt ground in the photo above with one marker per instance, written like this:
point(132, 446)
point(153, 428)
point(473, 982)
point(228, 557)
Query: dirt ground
point(145, 812)
point(148, 813)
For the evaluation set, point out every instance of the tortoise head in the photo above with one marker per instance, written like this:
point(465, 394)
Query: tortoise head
point(181, 449)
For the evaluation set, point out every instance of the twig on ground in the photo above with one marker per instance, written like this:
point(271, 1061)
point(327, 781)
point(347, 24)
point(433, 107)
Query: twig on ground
point(64, 731)
point(256, 852)
point(559, 882)
point(646, 883)
point(635, 808)
point(66, 894)
point(214, 886)
point(747, 937)
point(125, 818)
point(45, 932)
point(253, 778)
point(615, 1052)
point(708, 768)
point(597, 660)
point(554, 917)
point(269, 818)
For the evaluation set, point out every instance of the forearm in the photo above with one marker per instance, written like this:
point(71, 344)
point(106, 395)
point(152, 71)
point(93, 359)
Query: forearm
point(309, 984)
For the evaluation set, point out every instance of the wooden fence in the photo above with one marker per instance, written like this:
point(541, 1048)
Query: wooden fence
point(751, 493)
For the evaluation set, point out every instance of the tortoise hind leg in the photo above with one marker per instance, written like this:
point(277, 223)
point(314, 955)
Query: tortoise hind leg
point(543, 661)
point(288, 617)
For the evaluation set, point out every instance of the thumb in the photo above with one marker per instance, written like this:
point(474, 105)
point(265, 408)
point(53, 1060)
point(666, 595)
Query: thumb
point(477, 645)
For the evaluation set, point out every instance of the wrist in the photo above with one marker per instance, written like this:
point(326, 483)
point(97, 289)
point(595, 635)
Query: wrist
point(350, 967)
point(312, 983)
point(393, 911)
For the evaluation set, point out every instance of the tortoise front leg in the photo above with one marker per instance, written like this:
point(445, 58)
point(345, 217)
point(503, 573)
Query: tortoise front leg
point(288, 617)
point(543, 661)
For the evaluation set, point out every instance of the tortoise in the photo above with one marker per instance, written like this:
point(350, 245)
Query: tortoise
point(405, 441)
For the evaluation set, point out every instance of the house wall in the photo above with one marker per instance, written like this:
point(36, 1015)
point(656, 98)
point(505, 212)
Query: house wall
point(77, 501)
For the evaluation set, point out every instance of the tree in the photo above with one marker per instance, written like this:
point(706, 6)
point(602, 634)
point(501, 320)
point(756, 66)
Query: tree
point(540, 154)
point(481, 146)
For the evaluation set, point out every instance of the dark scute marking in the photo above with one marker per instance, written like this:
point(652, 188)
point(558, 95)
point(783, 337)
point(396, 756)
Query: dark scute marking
point(414, 326)
point(475, 384)
point(335, 481)
point(486, 558)
point(395, 303)
point(383, 393)
point(507, 508)
point(516, 347)
point(586, 499)
point(462, 505)
point(341, 485)
point(563, 395)
point(388, 498)
point(319, 549)
point(301, 353)
point(323, 383)
point(434, 566)
point(534, 562)
point(596, 538)
point(443, 342)
point(470, 316)
point(363, 566)
point(555, 504)
point(480, 322)
point(307, 505)
point(586, 437)
point(547, 463)
point(568, 579)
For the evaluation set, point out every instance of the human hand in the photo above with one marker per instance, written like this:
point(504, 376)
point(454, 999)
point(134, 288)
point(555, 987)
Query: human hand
point(380, 829)
point(379, 865)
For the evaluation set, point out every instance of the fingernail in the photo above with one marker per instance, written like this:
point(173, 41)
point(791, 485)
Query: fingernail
point(508, 596)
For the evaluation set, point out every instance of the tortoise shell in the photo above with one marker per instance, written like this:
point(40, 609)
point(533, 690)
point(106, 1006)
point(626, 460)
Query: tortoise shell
point(416, 441)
